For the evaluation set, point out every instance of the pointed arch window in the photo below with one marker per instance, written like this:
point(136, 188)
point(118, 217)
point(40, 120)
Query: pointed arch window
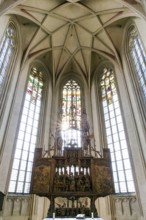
point(115, 133)
point(71, 114)
point(138, 57)
point(7, 55)
point(27, 135)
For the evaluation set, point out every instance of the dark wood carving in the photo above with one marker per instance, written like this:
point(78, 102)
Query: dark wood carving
point(71, 177)
point(2, 195)
point(103, 179)
point(41, 176)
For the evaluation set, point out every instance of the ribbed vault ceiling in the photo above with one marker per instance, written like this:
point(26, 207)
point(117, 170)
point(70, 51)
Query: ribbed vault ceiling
point(72, 35)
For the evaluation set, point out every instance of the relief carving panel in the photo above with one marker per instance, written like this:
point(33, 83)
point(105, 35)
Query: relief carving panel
point(41, 176)
point(103, 179)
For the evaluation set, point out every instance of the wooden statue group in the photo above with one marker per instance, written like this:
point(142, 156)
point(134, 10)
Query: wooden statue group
point(70, 183)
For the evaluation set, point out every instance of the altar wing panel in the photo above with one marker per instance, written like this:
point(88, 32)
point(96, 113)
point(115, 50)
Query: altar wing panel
point(41, 176)
point(72, 174)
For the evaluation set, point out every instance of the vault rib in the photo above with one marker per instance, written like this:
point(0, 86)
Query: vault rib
point(63, 48)
point(81, 50)
point(43, 11)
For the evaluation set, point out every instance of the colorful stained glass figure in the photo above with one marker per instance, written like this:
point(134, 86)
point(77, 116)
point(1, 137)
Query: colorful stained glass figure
point(35, 85)
point(107, 85)
point(71, 114)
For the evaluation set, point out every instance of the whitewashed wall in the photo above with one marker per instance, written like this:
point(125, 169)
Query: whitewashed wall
point(28, 207)
point(118, 208)
point(125, 208)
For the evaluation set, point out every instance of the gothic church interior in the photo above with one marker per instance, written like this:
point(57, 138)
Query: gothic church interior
point(73, 85)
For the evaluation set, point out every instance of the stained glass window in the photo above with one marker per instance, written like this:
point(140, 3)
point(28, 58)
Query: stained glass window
point(27, 135)
point(71, 114)
point(138, 57)
point(115, 133)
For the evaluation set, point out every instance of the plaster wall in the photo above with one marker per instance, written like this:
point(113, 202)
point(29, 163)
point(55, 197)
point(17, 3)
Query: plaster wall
point(28, 207)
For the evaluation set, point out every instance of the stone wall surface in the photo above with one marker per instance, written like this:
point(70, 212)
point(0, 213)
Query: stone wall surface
point(29, 207)
point(118, 208)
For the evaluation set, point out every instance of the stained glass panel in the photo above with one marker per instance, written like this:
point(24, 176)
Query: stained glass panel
point(71, 114)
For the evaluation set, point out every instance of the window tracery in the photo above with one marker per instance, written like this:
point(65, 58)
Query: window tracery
point(7, 53)
point(138, 57)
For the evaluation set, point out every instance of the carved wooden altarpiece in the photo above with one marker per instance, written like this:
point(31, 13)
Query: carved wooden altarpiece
point(72, 182)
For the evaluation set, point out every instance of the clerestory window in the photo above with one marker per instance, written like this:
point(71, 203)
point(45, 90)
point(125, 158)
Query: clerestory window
point(115, 132)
